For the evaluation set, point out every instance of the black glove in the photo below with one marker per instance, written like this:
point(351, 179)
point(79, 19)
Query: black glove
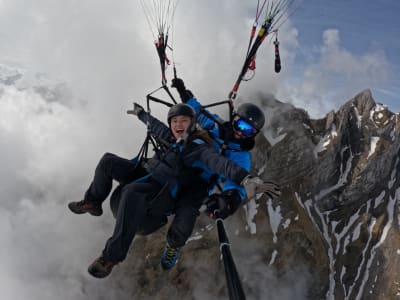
point(137, 109)
point(178, 84)
point(182, 91)
point(223, 205)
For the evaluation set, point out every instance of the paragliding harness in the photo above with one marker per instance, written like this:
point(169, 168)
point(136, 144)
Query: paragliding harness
point(159, 145)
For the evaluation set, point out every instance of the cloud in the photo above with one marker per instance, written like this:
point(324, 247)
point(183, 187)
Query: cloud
point(100, 58)
point(48, 154)
point(336, 74)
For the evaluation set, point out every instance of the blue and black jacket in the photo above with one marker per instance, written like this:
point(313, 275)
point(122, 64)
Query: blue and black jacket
point(234, 151)
point(194, 157)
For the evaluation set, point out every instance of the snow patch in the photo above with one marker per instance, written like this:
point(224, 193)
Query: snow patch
point(251, 210)
point(390, 211)
point(322, 144)
point(393, 174)
point(286, 224)
point(333, 131)
point(326, 140)
point(271, 137)
point(343, 175)
point(374, 142)
point(194, 237)
point(275, 218)
point(358, 116)
point(376, 111)
point(261, 170)
point(393, 132)
point(273, 257)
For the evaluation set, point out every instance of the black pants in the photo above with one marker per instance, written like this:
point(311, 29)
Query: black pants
point(138, 212)
point(186, 212)
point(141, 208)
point(111, 167)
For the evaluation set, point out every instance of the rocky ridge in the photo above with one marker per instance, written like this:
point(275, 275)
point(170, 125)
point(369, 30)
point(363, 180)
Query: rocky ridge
point(334, 233)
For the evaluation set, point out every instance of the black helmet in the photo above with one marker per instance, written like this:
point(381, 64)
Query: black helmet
point(180, 109)
point(252, 114)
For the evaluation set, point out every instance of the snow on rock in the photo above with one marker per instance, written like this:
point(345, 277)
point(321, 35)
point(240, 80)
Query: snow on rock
point(251, 210)
point(325, 141)
point(275, 218)
point(374, 142)
point(272, 137)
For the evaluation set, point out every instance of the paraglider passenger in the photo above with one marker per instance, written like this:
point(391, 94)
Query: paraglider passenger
point(234, 140)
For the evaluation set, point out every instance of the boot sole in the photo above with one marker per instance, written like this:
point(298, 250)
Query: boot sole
point(80, 212)
point(97, 274)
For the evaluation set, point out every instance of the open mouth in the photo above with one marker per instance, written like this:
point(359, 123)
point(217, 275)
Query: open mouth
point(179, 131)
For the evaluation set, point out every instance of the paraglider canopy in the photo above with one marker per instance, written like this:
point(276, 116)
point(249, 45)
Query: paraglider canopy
point(160, 17)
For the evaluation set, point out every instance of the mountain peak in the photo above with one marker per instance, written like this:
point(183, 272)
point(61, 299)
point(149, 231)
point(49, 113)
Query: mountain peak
point(364, 102)
point(348, 189)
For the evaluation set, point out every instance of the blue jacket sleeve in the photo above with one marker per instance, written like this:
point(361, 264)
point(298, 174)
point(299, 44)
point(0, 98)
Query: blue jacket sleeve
point(243, 159)
point(204, 156)
point(156, 127)
point(204, 121)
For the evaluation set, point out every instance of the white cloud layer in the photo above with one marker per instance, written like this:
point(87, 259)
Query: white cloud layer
point(103, 52)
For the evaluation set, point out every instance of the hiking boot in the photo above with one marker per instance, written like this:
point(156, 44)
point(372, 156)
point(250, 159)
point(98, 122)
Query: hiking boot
point(84, 206)
point(169, 257)
point(101, 267)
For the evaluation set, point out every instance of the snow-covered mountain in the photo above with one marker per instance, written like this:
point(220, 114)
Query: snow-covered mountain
point(341, 176)
point(334, 233)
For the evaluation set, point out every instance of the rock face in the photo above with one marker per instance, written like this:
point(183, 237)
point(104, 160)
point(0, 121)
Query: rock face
point(334, 233)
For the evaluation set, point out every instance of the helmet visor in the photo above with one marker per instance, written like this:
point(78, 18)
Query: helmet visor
point(244, 127)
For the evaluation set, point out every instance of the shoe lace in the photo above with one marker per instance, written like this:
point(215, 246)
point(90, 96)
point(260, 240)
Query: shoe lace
point(171, 253)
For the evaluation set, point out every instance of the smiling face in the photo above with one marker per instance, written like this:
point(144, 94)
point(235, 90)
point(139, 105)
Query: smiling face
point(179, 125)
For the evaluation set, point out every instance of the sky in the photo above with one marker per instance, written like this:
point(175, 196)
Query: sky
point(96, 57)
point(347, 46)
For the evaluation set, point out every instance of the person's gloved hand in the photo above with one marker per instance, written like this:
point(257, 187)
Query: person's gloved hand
point(254, 185)
point(223, 205)
point(137, 109)
point(180, 87)
point(178, 84)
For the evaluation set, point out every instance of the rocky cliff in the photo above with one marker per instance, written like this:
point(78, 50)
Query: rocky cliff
point(334, 233)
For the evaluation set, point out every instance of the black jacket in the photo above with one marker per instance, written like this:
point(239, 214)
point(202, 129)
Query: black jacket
point(183, 160)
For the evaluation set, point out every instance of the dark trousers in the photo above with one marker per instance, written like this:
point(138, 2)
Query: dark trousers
point(137, 213)
point(111, 167)
point(142, 207)
point(186, 212)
